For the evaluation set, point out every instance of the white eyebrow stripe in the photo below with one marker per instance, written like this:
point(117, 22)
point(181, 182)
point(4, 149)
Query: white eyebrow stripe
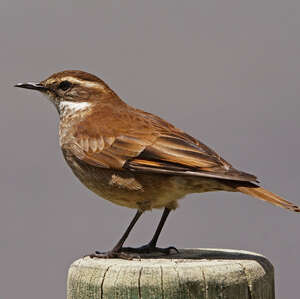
point(83, 82)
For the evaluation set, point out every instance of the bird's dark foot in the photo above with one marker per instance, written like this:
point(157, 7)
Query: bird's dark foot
point(113, 255)
point(149, 248)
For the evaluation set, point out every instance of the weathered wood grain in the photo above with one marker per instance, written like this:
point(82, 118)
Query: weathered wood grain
point(193, 273)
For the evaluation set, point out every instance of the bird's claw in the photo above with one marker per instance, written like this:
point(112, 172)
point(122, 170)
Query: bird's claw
point(150, 249)
point(112, 255)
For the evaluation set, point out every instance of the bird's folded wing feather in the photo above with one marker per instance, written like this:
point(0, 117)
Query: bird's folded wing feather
point(139, 141)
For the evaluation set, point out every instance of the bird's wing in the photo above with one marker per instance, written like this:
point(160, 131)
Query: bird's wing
point(142, 142)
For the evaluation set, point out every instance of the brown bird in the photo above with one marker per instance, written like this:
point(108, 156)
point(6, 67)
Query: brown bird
point(134, 158)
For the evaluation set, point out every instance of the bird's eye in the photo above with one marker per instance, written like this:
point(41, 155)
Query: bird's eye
point(64, 85)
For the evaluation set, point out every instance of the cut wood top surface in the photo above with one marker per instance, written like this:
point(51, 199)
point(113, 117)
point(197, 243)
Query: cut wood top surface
point(206, 257)
point(191, 273)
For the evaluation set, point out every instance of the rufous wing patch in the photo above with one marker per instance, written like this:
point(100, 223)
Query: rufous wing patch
point(100, 143)
point(174, 149)
point(109, 140)
point(93, 145)
point(113, 152)
point(86, 144)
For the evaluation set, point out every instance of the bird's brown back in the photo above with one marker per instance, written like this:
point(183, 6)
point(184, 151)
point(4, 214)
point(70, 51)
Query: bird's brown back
point(112, 134)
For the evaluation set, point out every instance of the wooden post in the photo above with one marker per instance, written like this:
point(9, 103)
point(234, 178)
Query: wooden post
point(193, 273)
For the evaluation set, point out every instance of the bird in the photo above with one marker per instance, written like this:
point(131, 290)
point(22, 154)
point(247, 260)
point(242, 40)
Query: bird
point(134, 158)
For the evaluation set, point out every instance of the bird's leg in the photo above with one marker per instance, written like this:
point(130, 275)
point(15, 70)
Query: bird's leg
point(116, 251)
point(151, 246)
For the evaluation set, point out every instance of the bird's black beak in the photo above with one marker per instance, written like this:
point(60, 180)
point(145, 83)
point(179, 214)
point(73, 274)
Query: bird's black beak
point(32, 85)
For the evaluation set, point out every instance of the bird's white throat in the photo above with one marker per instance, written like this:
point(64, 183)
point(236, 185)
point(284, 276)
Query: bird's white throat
point(67, 108)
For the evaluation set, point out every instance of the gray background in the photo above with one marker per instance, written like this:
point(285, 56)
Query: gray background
point(227, 72)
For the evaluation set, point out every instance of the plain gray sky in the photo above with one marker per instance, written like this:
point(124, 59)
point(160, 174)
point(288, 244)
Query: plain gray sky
point(226, 72)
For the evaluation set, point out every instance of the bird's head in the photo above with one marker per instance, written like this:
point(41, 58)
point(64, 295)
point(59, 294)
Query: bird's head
point(71, 88)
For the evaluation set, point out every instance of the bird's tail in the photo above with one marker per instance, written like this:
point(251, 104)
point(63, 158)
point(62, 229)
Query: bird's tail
point(266, 195)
